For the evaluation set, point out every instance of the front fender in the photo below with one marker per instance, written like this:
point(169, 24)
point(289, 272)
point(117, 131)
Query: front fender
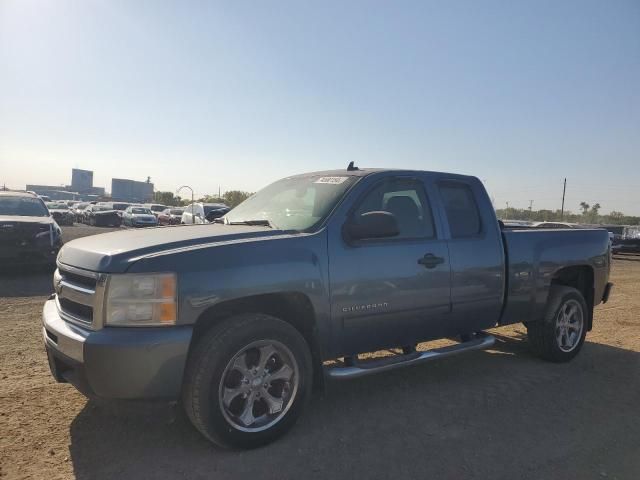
point(211, 274)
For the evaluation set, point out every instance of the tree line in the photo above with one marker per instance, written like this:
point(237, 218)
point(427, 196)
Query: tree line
point(231, 198)
point(589, 214)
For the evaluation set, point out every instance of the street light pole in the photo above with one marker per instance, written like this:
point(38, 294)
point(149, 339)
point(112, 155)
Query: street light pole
point(192, 206)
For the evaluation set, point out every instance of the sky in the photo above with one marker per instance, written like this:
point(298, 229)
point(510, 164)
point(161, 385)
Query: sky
point(237, 94)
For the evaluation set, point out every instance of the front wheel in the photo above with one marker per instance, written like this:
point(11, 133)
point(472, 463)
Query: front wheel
point(247, 381)
point(560, 335)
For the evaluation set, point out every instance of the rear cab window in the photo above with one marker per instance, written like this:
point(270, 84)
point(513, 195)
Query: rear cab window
point(461, 209)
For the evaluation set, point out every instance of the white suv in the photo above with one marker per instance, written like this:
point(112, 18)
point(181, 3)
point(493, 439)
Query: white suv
point(203, 212)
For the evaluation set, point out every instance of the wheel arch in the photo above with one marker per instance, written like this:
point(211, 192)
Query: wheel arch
point(580, 277)
point(292, 307)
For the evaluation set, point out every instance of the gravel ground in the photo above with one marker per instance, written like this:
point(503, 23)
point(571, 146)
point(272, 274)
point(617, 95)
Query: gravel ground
point(499, 414)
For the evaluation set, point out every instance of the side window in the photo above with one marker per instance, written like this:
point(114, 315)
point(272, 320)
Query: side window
point(406, 200)
point(461, 209)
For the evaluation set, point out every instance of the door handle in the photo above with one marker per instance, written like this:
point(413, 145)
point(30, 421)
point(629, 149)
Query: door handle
point(430, 260)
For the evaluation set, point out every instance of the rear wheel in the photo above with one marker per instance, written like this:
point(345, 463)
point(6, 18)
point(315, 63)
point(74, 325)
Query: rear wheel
point(247, 381)
point(560, 335)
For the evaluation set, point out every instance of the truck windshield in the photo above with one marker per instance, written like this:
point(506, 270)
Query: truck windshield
point(296, 203)
point(22, 206)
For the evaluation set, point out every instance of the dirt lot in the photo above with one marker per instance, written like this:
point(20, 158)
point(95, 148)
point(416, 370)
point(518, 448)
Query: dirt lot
point(495, 414)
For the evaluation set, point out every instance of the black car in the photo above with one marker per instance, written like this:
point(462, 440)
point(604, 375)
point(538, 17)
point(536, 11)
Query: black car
point(211, 212)
point(61, 213)
point(117, 206)
point(28, 233)
point(102, 216)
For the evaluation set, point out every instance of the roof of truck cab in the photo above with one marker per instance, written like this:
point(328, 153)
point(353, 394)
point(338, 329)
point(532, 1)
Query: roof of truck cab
point(363, 172)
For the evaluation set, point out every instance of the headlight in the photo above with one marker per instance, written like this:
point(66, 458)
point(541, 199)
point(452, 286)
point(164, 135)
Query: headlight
point(141, 300)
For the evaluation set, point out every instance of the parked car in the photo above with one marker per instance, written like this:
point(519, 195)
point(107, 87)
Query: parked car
point(28, 233)
point(139, 216)
point(517, 223)
point(61, 213)
point(102, 215)
point(198, 213)
point(237, 318)
point(156, 208)
point(119, 207)
point(78, 210)
point(170, 216)
point(628, 240)
point(555, 225)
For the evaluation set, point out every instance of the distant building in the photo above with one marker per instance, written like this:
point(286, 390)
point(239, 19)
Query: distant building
point(81, 188)
point(124, 190)
point(82, 180)
point(96, 191)
point(54, 192)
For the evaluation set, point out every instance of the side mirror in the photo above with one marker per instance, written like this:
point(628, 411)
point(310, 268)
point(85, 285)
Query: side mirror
point(373, 225)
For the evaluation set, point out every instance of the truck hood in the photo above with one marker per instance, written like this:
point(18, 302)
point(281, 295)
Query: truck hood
point(114, 252)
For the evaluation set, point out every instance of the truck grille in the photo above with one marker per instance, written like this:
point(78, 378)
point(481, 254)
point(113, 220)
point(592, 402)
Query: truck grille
point(78, 310)
point(76, 296)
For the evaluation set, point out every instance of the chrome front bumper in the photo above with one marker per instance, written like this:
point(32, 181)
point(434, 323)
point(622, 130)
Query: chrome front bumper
point(62, 336)
point(125, 363)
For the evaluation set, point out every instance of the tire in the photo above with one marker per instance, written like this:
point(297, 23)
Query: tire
point(555, 338)
point(222, 368)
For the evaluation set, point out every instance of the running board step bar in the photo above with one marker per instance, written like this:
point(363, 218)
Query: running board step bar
point(480, 341)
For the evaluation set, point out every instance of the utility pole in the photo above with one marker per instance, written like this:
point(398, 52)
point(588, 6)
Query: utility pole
point(530, 209)
point(564, 190)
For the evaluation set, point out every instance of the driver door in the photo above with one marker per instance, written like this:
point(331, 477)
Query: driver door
point(390, 292)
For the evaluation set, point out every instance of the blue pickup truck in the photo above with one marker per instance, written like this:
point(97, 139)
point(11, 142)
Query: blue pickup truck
point(241, 318)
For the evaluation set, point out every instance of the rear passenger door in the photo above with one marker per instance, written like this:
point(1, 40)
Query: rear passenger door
point(476, 254)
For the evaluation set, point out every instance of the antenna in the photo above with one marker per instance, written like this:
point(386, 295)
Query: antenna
point(352, 167)
point(564, 190)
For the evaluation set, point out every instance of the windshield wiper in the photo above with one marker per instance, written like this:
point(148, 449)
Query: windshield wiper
point(260, 222)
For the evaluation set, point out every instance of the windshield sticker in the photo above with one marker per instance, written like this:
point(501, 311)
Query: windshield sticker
point(331, 180)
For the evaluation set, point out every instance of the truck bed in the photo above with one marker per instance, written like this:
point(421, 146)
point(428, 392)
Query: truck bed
point(534, 257)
